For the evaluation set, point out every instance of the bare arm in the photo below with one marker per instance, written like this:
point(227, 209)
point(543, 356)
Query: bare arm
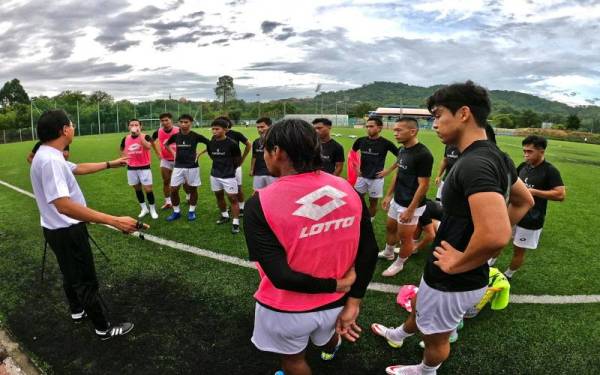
point(156, 148)
point(385, 203)
point(87, 168)
point(146, 144)
point(520, 202)
point(338, 168)
point(558, 193)
point(491, 232)
point(443, 166)
point(68, 207)
point(252, 163)
point(30, 157)
point(246, 151)
point(385, 172)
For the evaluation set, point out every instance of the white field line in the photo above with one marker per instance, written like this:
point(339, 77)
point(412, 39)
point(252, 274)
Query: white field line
point(380, 287)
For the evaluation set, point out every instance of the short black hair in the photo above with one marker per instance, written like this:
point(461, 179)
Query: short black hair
point(266, 120)
point(226, 119)
point(537, 141)
point(300, 142)
point(409, 119)
point(133, 119)
point(166, 114)
point(185, 116)
point(51, 123)
point(221, 122)
point(322, 120)
point(467, 94)
point(377, 120)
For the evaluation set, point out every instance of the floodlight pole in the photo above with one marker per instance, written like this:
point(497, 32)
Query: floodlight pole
point(99, 126)
point(78, 127)
point(258, 100)
point(151, 115)
point(117, 124)
point(200, 114)
point(31, 117)
point(336, 103)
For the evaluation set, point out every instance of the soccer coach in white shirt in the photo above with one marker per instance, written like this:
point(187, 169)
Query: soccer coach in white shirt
point(64, 215)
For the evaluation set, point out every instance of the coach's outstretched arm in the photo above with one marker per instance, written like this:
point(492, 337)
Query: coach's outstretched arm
point(520, 202)
point(87, 168)
point(366, 260)
point(68, 207)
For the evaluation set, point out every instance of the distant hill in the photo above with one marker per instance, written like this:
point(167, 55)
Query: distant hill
point(396, 94)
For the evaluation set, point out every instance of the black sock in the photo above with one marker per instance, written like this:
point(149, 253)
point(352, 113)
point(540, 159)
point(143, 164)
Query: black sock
point(150, 197)
point(140, 196)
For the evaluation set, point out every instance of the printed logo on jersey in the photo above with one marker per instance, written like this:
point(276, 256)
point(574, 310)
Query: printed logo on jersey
point(135, 147)
point(314, 211)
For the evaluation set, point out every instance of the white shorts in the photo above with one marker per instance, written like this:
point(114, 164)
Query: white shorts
point(238, 175)
point(228, 184)
point(438, 195)
point(373, 186)
point(190, 176)
point(259, 182)
point(439, 312)
point(526, 238)
point(139, 176)
point(288, 333)
point(168, 164)
point(396, 210)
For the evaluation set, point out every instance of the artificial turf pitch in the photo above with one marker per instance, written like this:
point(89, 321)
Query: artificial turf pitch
point(195, 315)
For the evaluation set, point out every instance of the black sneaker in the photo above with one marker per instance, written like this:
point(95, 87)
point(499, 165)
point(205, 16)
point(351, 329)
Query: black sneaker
point(78, 317)
point(223, 220)
point(115, 330)
point(235, 228)
point(241, 212)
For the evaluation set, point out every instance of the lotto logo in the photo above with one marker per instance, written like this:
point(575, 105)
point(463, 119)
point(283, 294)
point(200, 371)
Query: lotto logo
point(313, 211)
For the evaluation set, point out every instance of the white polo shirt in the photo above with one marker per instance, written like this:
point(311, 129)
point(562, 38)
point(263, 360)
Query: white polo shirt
point(52, 178)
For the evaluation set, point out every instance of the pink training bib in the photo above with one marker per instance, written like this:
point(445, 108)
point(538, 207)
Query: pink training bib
point(163, 137)
point(138, 155)
point(316, 218)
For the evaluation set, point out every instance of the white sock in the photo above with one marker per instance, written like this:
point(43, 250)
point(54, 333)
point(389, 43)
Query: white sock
point(509, 272)
point(236, 222)
point(168, 200)
point(176, 209)
point(143, 206)
point(372, 218)
point(152, 207)
point(225, 214)
point(241, 205)
point(187, 196)
point(429, 370)
point(401, 260)
point(492, 261)
point(398, 333)
point(389, 248)
point(192, 208)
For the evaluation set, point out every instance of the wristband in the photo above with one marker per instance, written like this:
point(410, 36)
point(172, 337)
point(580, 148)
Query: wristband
point(107, 165)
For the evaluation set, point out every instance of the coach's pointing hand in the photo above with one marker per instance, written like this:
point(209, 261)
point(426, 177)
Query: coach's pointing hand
point(120, 162)
point(125, 224)
point(447, 257)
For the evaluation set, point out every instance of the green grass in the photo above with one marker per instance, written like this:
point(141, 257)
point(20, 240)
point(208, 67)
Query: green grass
point(195, 315)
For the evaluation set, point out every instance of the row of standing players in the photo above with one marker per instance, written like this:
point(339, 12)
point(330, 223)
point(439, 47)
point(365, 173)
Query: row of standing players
point(412, 218)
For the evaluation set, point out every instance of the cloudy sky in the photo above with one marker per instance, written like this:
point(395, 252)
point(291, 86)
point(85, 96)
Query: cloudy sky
point(279, 49)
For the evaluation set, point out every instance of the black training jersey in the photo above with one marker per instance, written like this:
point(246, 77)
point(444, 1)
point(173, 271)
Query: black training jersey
point(226, 157)
point(372, 154)
point(185, 155)
point(331, 153)
point(413, 162)
point(543, 177)
point(482, 167)
point(258, 152)
point(237, 137)
point(451, 154)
